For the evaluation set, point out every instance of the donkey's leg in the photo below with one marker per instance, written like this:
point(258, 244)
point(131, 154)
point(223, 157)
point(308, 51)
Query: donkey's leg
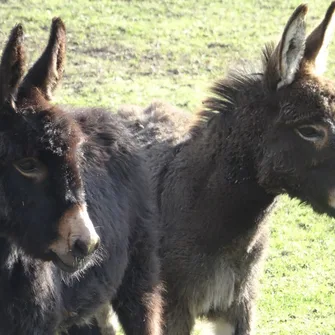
point(178, 320)
point(104, 319)
point(92, 329)
point(245, 321)
point(139, 311)
point(237, 320)
point(240, 316)
point(138, 303)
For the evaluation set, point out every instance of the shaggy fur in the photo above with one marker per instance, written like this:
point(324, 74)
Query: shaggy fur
point(80, 158)
point(259, 135)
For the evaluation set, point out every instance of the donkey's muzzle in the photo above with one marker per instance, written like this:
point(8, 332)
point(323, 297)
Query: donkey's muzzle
point(77, 239)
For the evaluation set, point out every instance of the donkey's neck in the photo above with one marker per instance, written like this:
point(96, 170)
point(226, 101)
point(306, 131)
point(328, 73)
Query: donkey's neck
point(223, 179)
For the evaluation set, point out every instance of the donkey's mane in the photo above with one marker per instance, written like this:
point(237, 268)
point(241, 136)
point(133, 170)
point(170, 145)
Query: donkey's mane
point(225, 93)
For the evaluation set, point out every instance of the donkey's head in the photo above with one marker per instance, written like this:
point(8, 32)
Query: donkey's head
point(296, 143)
point(42, 202)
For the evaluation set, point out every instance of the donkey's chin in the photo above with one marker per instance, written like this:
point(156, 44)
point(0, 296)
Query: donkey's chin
point(68, 263)
point(330, 212)
point(324, 208)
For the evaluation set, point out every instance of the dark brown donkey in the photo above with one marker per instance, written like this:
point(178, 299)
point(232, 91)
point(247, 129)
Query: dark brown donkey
point(262, 134)
point(66, 178)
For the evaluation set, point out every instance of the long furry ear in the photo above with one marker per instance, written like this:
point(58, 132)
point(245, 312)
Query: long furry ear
point(315, 57)
point(48, 70)
point(12, 64)
point(284, 63)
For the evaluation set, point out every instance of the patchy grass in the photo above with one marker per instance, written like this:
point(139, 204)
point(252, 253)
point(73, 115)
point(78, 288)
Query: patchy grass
point(135, 51)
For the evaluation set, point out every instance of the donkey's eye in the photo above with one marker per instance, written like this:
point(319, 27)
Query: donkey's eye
point(311, 133)
point(27, 164)
point(30, 167)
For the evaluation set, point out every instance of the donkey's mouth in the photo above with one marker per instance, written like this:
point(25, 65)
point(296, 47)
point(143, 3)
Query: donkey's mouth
point(68, 263)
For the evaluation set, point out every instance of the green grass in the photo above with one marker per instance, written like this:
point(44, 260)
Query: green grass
point(135, 51)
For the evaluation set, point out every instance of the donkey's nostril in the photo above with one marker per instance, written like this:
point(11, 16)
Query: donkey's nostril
point(82, 249)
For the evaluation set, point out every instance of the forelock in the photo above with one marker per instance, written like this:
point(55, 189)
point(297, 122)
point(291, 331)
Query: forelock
point(60, 133)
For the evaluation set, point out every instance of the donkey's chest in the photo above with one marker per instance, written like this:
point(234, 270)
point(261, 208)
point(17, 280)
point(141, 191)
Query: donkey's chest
point(216, 291)
point(227, 279)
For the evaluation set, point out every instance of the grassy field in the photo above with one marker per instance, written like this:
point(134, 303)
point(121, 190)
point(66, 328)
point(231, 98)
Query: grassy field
point(136, 51)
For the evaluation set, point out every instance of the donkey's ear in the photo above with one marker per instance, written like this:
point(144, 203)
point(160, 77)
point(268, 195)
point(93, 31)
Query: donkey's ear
point(48, 70)
point(315, 58)
point(283, 65)
point(12, 64)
